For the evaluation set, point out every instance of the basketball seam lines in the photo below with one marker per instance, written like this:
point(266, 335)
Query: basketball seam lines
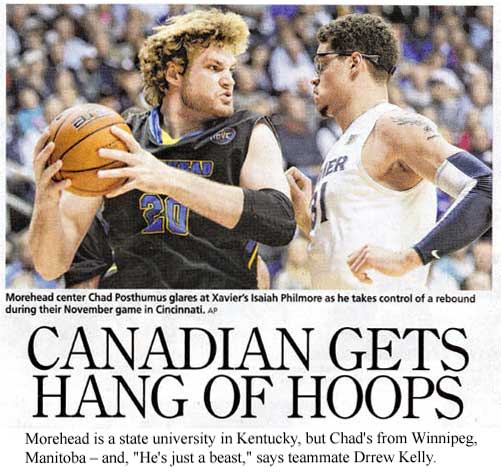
point(84, 138)
point(98, 193)
point(57, 130)
point(89, 169)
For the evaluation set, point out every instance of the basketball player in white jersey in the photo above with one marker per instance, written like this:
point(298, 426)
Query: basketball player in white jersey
point(371, 218)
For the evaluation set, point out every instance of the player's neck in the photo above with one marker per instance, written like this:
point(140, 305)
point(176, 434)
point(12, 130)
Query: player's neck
point(177, 120)
point(361, 103)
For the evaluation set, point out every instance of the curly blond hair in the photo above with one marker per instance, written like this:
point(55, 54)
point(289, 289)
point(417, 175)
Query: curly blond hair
point(180, 37)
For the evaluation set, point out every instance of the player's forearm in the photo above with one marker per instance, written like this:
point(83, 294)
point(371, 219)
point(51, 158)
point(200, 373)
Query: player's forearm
point(304, 224)
point(51, 251)
point(265, 215)
point(217, 202)
point(470, 182)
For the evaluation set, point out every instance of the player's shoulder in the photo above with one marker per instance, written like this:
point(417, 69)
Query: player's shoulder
point(242, 117)
point(402, 126)
point(405, 131)
point(247, 123)
point(260, 125)
point(135, 115)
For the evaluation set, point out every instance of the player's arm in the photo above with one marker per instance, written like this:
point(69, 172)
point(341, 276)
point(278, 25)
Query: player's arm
point(267, 208)
point(415, 142)
point(259, 209)
point(60, 219)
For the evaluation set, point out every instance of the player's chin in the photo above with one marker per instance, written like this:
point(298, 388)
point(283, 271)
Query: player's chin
point(225, 110)
point(322, 108)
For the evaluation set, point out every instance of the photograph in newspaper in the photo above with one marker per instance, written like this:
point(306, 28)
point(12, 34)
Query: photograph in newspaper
point(382, 118)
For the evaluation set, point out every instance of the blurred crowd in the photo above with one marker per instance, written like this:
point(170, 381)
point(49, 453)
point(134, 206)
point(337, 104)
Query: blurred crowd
point(62, 55)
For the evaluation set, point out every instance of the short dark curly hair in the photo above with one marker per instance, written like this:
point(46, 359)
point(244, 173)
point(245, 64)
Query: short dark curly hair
point(365, 33)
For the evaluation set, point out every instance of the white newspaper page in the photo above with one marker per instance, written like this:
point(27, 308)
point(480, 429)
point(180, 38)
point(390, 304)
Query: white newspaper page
point(177, 338)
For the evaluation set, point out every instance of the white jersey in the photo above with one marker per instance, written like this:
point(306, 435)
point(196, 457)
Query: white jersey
point(350, 209)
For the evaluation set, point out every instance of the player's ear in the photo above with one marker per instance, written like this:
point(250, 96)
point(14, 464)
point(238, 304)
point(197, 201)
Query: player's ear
point(355, 60)
point(172, 74)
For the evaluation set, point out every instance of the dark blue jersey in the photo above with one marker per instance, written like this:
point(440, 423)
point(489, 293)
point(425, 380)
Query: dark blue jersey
point(157, 242)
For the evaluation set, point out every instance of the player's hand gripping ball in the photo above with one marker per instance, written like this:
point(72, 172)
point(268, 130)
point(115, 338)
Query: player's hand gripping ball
point(78, 133)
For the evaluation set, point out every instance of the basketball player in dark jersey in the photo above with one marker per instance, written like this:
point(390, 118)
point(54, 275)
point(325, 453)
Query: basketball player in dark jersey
point(234, 264)
point(204, 184)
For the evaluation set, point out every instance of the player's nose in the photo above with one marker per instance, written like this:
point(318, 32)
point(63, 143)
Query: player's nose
point(315, 81)
point(227, 80)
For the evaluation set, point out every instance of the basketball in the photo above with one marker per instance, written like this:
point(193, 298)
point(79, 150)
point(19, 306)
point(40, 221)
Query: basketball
point(78, 133)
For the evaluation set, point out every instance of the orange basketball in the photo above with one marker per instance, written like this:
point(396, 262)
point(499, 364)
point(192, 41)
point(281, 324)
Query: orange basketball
point(78, 133)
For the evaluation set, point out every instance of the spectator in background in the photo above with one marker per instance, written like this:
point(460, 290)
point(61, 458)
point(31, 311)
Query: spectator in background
point(283, 13)
point(247, 95)
point(298, 142)
point(52, 108)
point(74, 46)
point(482, 99)
point(439, 41)
point(30, 114)
point(305, 28)
point(482, 255)
point(468, 67)
point(451, 20)
point(133, 37)
point(417, 44)
point(130, 85)
point(435, 60)
point(481, 145)
point(66, 89)
point(458, 41)
point(55, 62)
point(259, 59)
point(416, 91)
point(36, 66)
point(472, 120)
point(449, 100)
point(313, 16)
point(481, 277)
point(291, 68)
point(33, 36)
point(481, 28)
point(94, 77)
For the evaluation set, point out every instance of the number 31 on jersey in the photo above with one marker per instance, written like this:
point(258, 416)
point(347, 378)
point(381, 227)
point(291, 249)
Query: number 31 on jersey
point(318, 209)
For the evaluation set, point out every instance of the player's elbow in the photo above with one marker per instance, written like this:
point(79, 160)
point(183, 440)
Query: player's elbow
point(484, 186)
point(49, 270)
point(49, 266)
point(483, 192)
point(282, 233)
point(267, 217)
